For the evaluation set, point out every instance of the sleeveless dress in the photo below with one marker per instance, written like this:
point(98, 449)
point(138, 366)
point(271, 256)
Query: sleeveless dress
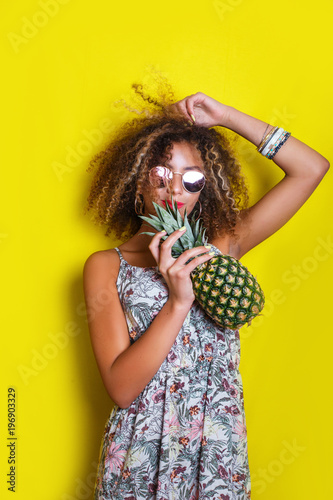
point(184, 437)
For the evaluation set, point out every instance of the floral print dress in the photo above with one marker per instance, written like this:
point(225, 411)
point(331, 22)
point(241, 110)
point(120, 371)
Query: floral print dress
point(184, 437)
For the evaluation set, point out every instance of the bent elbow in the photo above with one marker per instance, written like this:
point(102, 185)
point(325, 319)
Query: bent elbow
point(318, 172)
point(322, 168)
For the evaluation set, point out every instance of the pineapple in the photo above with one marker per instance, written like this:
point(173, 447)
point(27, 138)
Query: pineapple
point(225, 288)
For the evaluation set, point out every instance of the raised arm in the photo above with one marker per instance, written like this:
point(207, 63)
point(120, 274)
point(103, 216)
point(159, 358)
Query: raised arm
point(303, 167)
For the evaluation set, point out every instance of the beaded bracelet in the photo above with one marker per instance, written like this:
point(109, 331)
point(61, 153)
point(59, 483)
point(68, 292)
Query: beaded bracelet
point(286, 136)
point(274, 139)
point(273, 148)
point(272, 142)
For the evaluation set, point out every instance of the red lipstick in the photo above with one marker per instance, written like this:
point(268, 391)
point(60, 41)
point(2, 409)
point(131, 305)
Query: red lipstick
point(179, 203)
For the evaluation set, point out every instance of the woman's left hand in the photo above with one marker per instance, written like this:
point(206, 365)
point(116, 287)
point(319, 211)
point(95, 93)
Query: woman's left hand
point(207, 112)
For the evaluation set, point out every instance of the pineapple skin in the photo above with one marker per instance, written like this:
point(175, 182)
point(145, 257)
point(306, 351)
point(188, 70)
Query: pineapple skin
point(227, 291)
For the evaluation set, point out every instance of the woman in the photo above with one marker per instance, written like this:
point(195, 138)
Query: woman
point(178, 429)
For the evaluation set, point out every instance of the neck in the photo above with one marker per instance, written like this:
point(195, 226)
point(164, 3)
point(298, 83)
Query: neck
point(142, 239)
point(147, 227)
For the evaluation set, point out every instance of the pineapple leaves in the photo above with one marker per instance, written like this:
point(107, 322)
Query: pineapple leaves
point(153, 234)
point(170, 219)
point(187, 238)
point(157, 224)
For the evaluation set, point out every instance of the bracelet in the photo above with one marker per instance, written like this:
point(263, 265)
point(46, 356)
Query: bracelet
point(286, 136)
point(271, 151)
point(267, 138)
point(264, 134)
point(273, 142)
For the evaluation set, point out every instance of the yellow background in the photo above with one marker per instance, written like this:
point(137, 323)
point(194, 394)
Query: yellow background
point(63, 64)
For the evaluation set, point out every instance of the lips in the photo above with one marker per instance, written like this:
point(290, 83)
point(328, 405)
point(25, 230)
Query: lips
point(179, 203)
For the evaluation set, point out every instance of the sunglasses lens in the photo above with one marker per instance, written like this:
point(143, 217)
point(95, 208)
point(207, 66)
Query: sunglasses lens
point(158, 176)
point(193, 181)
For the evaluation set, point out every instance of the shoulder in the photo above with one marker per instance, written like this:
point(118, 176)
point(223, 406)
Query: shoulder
point(101, 266)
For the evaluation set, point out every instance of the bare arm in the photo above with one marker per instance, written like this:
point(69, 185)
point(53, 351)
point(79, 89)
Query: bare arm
point(303, 167)
point(126, 369)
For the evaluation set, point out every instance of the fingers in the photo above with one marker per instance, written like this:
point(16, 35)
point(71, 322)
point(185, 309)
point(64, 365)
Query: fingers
point(182, 108)
point(162, 251)
point(167, 264)
point(192, 101)
point(190, 107)
point(198, 260)
point(198, 256)
point(193, 252)
point(185, 108)
point(154, 245)
point(159, 250)
point(165, 256)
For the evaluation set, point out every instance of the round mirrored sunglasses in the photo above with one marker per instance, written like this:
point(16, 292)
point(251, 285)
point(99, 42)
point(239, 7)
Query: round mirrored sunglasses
point(193, 180)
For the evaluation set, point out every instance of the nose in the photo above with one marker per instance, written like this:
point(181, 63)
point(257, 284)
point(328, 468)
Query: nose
point(175, 185)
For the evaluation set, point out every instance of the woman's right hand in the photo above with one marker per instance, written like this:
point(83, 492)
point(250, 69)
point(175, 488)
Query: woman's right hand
point(176, 272)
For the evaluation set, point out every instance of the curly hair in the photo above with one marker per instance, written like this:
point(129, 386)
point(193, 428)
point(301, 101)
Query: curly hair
point(121, 170)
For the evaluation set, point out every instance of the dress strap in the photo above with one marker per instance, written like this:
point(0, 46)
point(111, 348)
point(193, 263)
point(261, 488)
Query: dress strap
point(119, 253)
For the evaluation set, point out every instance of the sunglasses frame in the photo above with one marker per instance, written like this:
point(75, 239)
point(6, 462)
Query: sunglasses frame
point(172, 174)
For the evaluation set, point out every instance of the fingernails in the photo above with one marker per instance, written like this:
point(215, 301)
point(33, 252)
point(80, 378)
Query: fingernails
point(208, 247)
point(163, 232)
point(193, 117)
point(182, 228)
point(211, 253)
